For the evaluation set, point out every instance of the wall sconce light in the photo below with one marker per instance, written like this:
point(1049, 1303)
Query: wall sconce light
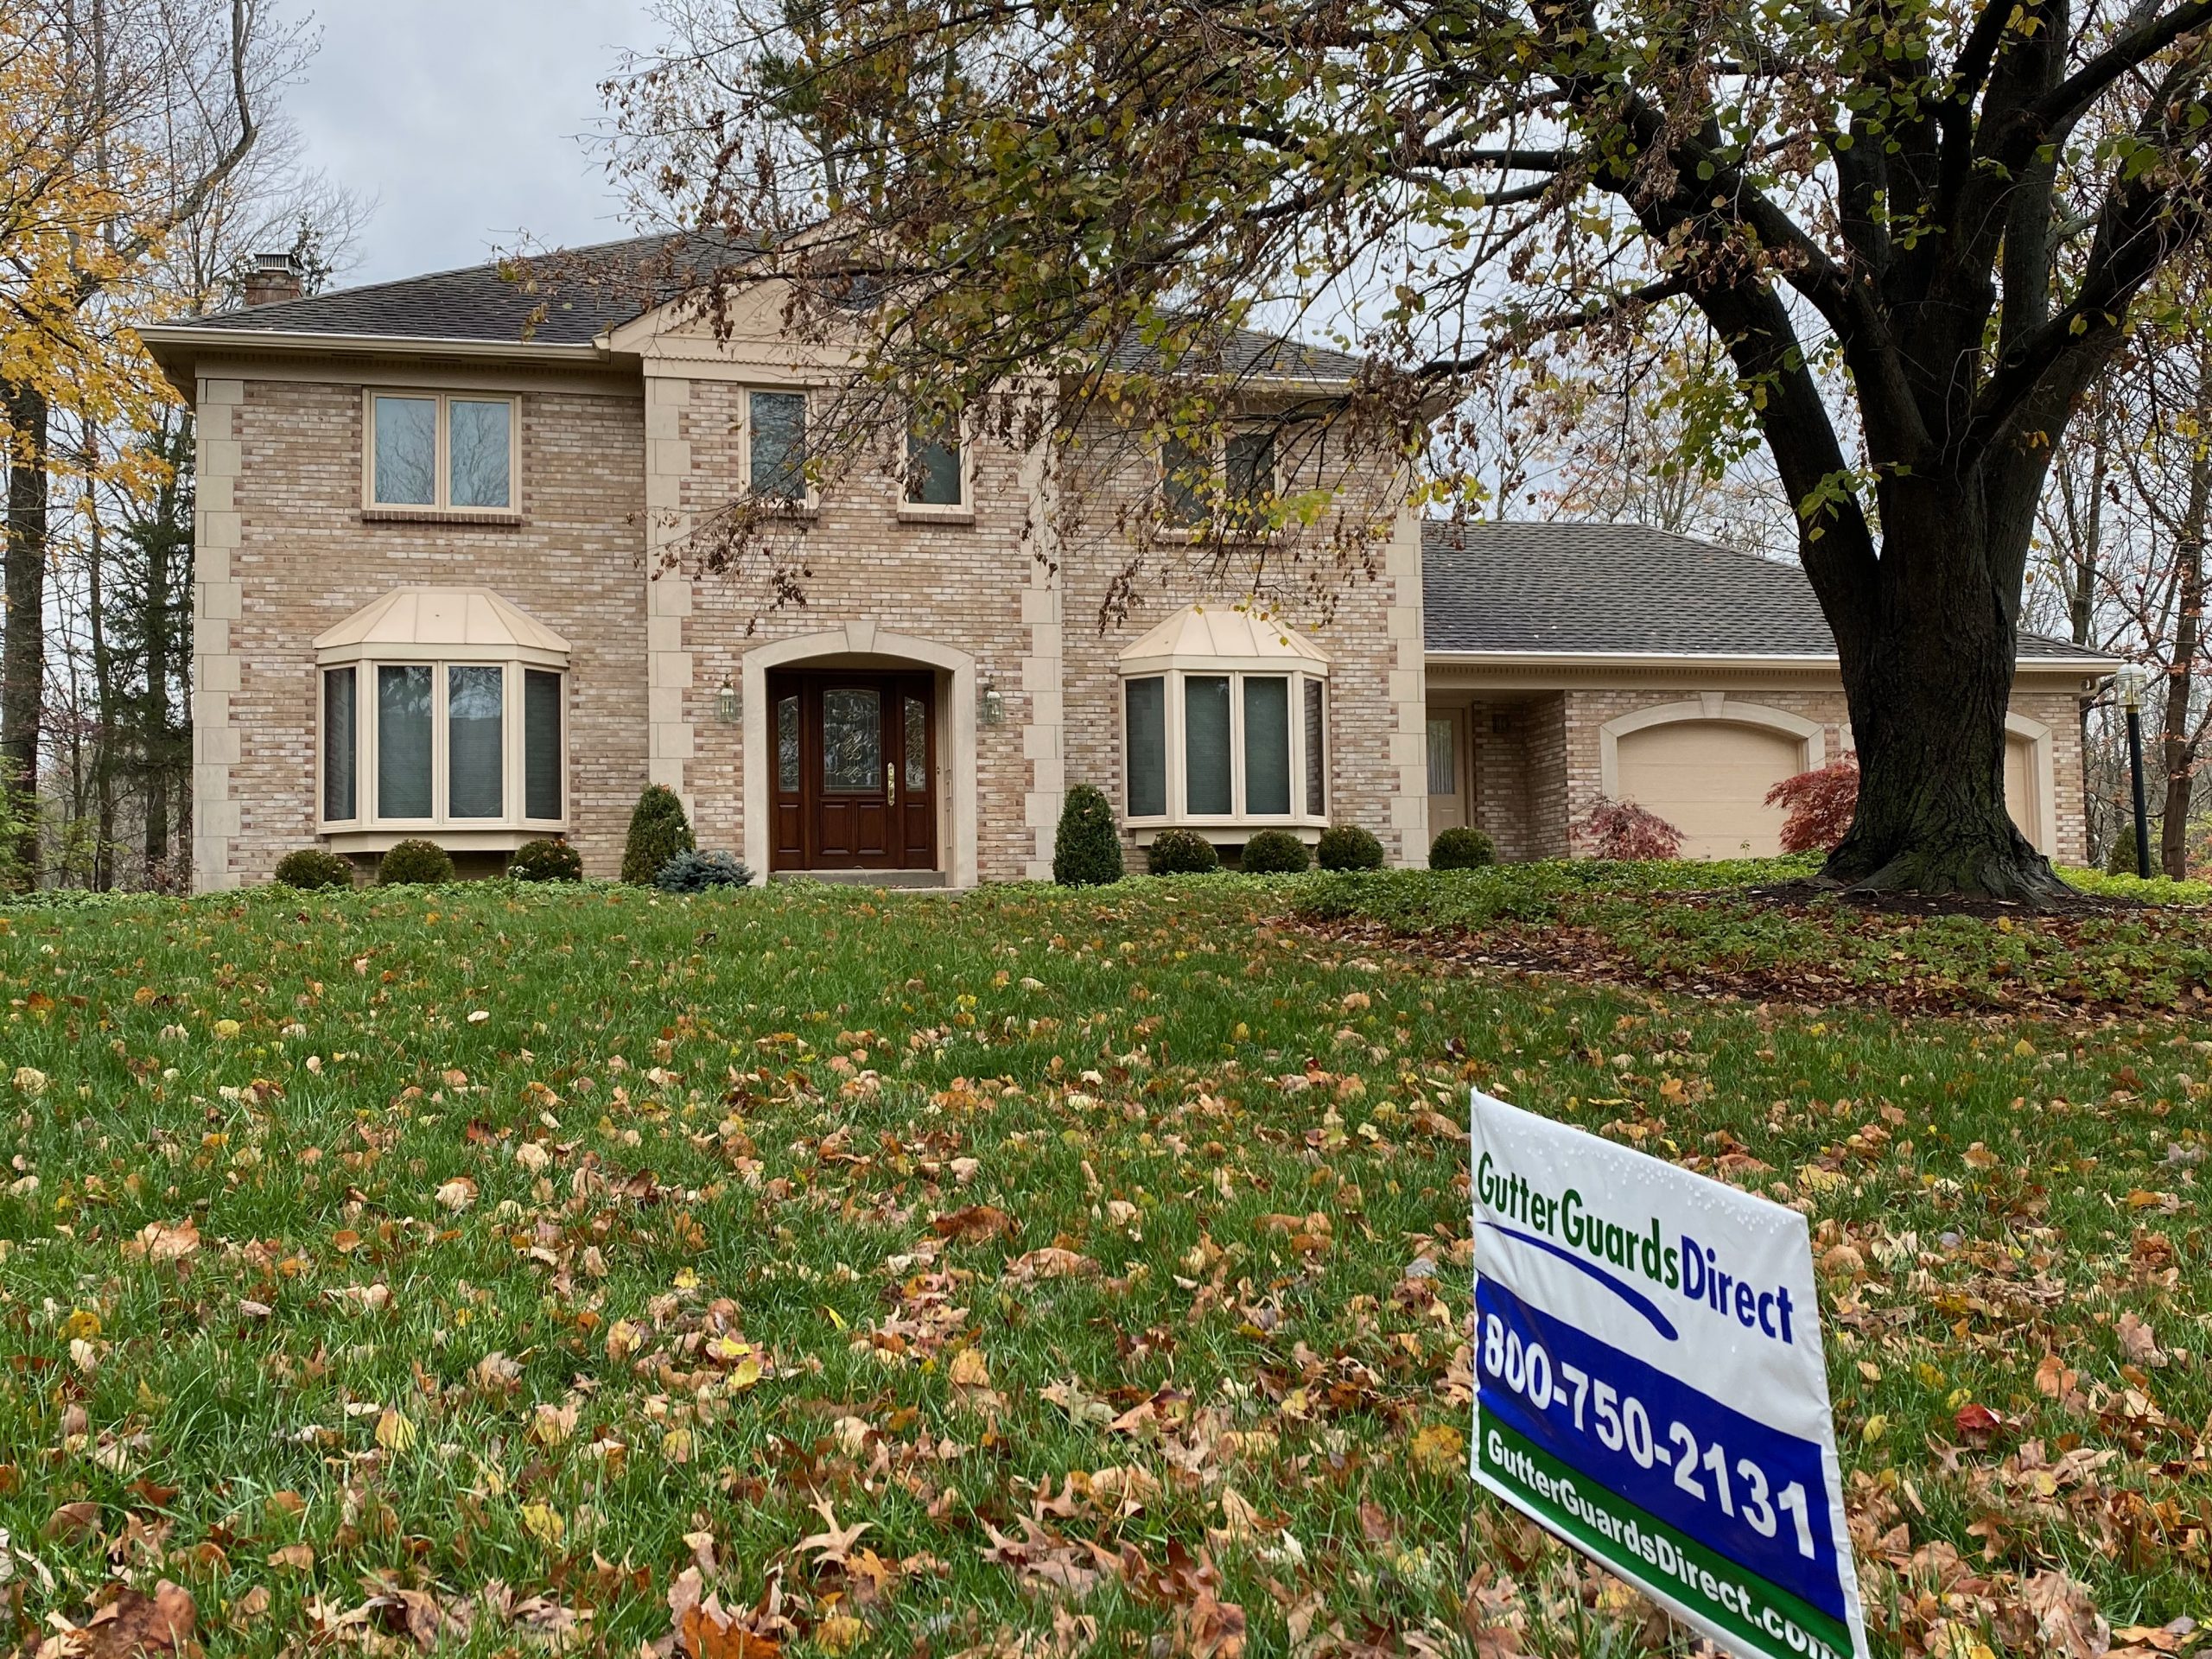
point(990, 705)
point(727, 704)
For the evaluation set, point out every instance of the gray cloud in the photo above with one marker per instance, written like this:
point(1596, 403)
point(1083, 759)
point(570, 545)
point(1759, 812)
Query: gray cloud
point(461, 119)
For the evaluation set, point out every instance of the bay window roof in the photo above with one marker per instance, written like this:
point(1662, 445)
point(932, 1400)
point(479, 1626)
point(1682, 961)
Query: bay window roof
point(1227, 639)
point(454, 625)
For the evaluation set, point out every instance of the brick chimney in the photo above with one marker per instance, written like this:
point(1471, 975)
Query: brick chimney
point(275, 277)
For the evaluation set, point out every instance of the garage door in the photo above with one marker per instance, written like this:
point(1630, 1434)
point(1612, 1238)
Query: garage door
point(1709, 779)
point(2020, 790)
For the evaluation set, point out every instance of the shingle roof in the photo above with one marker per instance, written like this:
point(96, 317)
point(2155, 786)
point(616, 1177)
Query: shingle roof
point(584, 291)
point(581, 292)
point(1622, 589)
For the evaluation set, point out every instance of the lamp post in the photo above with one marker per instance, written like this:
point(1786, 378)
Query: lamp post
point(2130, 680)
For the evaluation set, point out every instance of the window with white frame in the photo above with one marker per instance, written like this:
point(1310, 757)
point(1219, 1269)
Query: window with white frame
point(1231, 483)
point(936, 467)
point(776, 452)
point(441, 452)
point(445, 710)
point(1224, 723)
point(1230, 747)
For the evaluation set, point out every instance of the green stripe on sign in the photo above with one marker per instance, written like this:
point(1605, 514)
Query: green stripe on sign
point(1760, 1615)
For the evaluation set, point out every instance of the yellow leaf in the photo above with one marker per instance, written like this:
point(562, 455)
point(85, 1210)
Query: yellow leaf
point(542, 1523)
point(838, 1633)
point(1439, 1449)
point(395, 1433)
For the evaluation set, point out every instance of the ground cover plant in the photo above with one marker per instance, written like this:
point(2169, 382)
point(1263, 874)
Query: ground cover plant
point(1712, 935)
point(1034, 1272)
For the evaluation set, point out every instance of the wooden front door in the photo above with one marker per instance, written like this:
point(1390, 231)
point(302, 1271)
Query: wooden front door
point(853, 770)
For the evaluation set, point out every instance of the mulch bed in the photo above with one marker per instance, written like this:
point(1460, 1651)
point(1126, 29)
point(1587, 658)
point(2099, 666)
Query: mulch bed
point(1798, 894)
point(1590, 956)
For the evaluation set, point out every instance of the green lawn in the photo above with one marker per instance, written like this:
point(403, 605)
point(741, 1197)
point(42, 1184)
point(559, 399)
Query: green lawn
point(1023, 1272)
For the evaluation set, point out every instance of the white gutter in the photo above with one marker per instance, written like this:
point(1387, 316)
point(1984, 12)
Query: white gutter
point(210, 341)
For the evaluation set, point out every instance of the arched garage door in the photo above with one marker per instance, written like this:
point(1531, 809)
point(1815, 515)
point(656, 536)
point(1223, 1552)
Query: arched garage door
point(1709, 778)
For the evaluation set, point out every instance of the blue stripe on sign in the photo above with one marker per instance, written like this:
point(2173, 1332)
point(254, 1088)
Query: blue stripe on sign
point(1778, 1460)
point(1634, 1298)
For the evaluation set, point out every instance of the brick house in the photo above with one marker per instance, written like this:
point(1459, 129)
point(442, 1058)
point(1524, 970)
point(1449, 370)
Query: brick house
point(431, 600)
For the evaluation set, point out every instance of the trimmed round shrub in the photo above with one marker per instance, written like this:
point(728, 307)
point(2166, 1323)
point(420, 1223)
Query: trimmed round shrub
point(696, 872)
point(659, 831)
point(546, 860)
point(1181, 852)
point(1275, 852)
point(415, 863)
point(1086, 851)
point(313, 868)
point(1348, 847)
point(2120, 861)
point(1461, 849)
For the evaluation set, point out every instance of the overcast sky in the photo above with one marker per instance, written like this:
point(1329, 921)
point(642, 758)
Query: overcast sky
point(461, 119)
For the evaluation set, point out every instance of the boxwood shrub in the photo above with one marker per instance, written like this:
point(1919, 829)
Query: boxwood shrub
point(313, 868)
point(1348, 847)
point(1275, 852)
point(1181, 852)
point(415, 863)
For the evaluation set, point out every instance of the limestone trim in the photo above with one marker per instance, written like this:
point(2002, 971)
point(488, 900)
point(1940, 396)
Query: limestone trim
point(1044, 666)
point(1709, 706)
point(863, 637)
point(2042, 762)
point(1404, 627)
point(218, 601)
point(671, 739)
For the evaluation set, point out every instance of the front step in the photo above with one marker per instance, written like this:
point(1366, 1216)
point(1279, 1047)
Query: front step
point(904, 878)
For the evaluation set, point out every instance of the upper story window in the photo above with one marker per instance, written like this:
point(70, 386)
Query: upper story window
point(442, 452)
point(1224, 723)
point(442, 708)
point(1230, 484)
point(776, 452)
point(936, 481)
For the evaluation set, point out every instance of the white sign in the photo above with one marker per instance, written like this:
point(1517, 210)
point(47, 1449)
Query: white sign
point(1649, 1383)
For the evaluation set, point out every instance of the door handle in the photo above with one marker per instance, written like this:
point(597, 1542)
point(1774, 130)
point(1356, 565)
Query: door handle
point(890, 784)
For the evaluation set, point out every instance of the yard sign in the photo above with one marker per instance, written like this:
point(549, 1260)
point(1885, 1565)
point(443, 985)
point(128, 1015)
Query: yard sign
point(1650, 1386)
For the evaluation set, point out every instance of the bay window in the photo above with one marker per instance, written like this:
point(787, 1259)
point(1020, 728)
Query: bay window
point(443, 713)
point(1223, 724)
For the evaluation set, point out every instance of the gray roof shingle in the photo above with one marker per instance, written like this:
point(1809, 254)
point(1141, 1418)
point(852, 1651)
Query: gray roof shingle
point(1622, 589)
point(584, 291)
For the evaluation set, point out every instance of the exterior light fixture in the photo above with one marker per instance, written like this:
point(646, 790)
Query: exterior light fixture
point(990, 705)
point(727, 704)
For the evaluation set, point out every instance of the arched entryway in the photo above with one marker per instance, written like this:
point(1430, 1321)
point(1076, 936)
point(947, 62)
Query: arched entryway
point(860, 755)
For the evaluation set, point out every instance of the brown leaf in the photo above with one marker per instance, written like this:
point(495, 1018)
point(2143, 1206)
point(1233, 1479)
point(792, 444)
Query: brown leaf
point(137, 1624)
point(165, 1240)
point(71, 1522)
point(1051, 1262)
point(2137, 1342)
point(977, 1224)
point(2068, 1619)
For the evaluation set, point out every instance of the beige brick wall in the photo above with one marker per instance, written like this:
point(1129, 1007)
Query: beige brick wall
point(304, 560)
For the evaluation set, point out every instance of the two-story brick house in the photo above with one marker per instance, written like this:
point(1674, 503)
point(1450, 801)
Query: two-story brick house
point(433, 598)
point(432, 601)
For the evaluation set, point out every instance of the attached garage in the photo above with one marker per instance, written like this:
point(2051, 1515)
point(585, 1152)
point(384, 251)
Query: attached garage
point(1709, 778)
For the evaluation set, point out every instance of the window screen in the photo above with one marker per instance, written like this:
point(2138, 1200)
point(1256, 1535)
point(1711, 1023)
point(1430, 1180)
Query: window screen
point(1266, 746)
point(404, 742)
point(406, 452)
point(1185, 474)
point(1250, 468)
point(478, 453)
point(1317, 770)
point(475, 756)
point(779, 445)
point(340, 774)
point(1146, 715)
point(932, 470)
point(542, 714)
point(1205, 744)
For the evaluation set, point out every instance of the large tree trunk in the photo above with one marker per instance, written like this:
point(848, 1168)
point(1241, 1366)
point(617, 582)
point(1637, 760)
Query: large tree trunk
point(23, 656)
point(1929, 675)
